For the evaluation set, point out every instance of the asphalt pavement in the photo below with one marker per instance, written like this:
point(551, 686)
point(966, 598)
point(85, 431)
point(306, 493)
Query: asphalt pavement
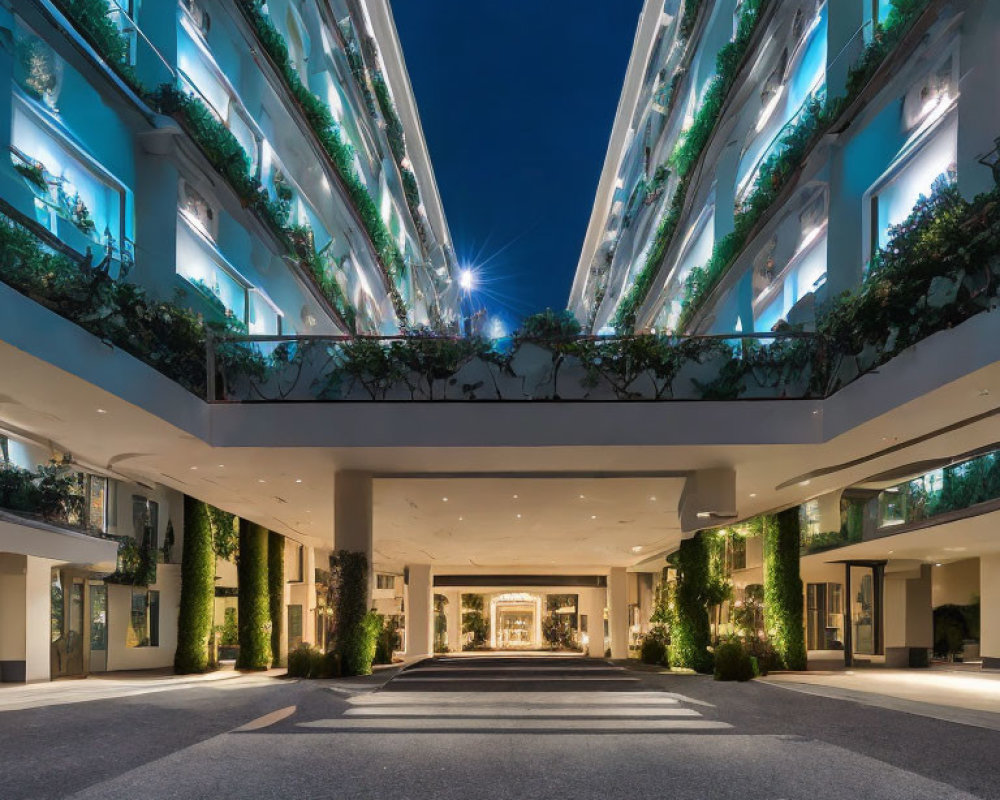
point(491, 728)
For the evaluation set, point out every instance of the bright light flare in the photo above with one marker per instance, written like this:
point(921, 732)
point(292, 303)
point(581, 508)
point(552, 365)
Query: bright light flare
point(466, 280)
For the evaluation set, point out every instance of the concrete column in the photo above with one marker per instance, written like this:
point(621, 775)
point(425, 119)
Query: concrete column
point(454, 613)
point(593, 603)
point(419, 611)
point(908, 617)
point(989, 626)
point(352, 517)
point(38, 618)
point(618, 612)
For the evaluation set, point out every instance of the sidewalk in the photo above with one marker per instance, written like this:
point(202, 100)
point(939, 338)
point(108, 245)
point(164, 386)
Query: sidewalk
point(109, 685)
point(951, 695)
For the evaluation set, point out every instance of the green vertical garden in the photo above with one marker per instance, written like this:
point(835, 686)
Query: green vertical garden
point(194, 622)
point(690, 631)
point(783, 598)
point(276, 592)
point(254, 610)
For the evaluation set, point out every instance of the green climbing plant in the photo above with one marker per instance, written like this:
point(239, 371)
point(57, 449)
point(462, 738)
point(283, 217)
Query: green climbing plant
point(194, 621)
point(276, 593)
point(783, 592)
point(253, 605)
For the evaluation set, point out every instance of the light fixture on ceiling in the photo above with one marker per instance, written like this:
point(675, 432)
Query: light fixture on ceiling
point(261, 480)
point(298, 480)
point(194, 468)
point(938, 564)
point(637, 548)
point(581, 497)
point(515, 497)
point(444, 499)
point(804, 483)
point(104, 411)
point(753, 494)
point(461, 519)
point(222, 466)
point(519, 516)
point(652, 499)
point(593, 516)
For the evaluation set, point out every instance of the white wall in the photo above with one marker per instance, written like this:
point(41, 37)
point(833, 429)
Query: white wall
point(168, 583)
point(957, 582)
point(37, 618)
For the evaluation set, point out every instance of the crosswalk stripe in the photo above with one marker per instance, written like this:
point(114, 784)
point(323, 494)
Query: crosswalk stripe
point(497, 712)
point(519, 725)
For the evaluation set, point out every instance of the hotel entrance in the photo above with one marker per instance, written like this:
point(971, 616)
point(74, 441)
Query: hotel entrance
point(516, 621)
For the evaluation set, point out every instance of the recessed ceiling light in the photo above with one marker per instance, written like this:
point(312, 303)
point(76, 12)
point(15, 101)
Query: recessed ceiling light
point(652, 499)
point(515, 497)
point(444, 499)
point(637, 548)
point(221, 466)
point(519, 516)
point(298, 480)
point(309, 511)
point(593, 516)
point(581, 497)
point(261, 480)
point(460, 519)
point(938, 564)
point(804, 483)
point(102, 411)
point(753, 494)
point(194, 468)
point(984, 393)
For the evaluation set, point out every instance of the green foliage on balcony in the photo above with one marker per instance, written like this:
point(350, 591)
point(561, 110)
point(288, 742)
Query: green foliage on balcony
point(91, 16)
point(782, 167)
point(164, 335)
point(341, 154)
point(393, 125)
point(686, 155)
point(253, 602)
point(226, 154)
point(52, 492)
point(689, 17)
point(783, 591)
point(194, 623)
point(136, 562)
point(775, 174)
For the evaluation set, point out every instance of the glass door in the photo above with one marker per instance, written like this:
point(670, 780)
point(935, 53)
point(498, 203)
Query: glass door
point(98, 627)
point(66, 624)
point(863, 611)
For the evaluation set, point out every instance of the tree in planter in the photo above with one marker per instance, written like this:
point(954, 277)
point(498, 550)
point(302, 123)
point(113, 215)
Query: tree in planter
point(783, 606)
point(690, 634)
point(254, 610)
point(474, 622)
point(194, 622)
point(440, 624)
point(276, 592)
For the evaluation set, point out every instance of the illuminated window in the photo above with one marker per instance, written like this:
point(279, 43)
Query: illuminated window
point(144, 619)
point(912, 177)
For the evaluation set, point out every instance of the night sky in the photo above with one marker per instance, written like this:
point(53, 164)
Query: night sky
point(517, 101)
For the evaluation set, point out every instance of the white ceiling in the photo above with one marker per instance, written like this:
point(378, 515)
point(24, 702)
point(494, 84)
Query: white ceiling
point(548, 522)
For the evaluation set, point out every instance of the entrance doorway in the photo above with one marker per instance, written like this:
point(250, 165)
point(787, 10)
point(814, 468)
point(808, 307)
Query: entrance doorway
point(67, 624)
point(863, 588)
point(516, 621)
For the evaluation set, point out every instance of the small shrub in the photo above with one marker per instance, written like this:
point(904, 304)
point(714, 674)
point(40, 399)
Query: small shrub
point(733, 663)
point(301, 661)
point(653, 651)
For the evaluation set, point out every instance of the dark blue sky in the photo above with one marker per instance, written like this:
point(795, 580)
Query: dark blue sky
point(517, 101)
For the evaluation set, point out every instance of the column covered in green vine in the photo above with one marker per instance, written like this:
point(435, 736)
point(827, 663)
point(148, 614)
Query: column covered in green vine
point(194, 620)
point(784, 616)
point(276, 592)
point(254, 609)
point(690, 633)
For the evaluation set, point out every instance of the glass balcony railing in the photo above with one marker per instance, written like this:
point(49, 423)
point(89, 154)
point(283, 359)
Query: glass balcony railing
point(954, 488)
point(311, 368)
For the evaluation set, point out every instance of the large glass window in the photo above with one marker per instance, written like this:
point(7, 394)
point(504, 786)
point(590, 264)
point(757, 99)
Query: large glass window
point(914, 177)
point(75, 201)
point(200, 76)
point(144, 619)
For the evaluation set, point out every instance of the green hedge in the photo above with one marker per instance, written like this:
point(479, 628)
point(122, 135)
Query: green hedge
point(783, 593)
point(253, 604)
point(276, 592)
point(690, 632)
point(194, 621)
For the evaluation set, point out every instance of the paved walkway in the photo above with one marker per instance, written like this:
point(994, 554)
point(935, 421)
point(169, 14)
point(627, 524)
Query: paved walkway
point(952, 695)
point(112, 685)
